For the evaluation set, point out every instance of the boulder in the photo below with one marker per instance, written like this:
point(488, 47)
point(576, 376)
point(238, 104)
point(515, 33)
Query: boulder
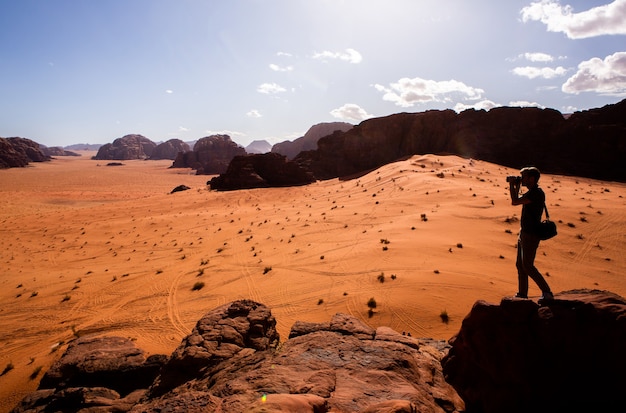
point(19, 152)
point(211, 155)
point(567, 355)
point(126, 148)
point(169, 149)
point(260, 171)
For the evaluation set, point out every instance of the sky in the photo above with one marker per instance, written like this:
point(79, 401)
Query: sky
point(91, 71)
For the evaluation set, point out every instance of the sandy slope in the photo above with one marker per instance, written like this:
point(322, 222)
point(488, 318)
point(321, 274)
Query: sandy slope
point(87, 248)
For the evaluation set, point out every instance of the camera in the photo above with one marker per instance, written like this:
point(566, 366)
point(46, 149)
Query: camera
point(514, 179)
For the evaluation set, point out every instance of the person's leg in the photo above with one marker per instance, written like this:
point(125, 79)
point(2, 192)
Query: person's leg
point(529, 244)
point(522, 278)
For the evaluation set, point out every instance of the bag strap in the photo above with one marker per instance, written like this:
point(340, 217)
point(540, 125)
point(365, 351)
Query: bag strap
point(547, 214)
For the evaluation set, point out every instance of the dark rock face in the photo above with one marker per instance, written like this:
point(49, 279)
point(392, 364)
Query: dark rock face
point(589, 143)
point(126, 148)
point(520, 357)
point(309, 141)
point(19, 152)
point(180, 188)
point(211, 155)
point(169, 149)
point(260, 171)
point(105, 373)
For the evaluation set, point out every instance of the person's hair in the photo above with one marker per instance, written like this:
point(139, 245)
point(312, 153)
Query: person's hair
point(531, 171)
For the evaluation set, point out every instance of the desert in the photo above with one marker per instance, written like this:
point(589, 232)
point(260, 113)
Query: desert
point(91, 249)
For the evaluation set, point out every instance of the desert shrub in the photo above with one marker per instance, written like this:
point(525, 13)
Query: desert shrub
point(320, 301)
point(197, 286)
point(66, 298)
point(7, 369)
point(381, 277)
point(444, 316)
point(266, 270)
point(371, 303)
point(35, 372)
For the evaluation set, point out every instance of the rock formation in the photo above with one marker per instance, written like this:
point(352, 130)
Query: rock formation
point(588, 143)
point(19, 152)
point(56, 151)
point(260, 171)
point(309, 141)
point(169, 149)
point(210, 155)
point(259, 147)
point(232, 362)
point(565, 356)
point(126, 148)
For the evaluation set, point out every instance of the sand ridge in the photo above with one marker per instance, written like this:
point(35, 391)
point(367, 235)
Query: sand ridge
point(93, 249)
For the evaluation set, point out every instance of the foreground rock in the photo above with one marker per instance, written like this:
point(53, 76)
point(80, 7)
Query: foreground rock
point(232, 362)
point(261, 171)
point(211, 155)
point(563, 357)
point(126, 148)
point(19, 152)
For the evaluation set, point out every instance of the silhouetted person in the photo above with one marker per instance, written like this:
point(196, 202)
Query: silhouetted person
point(532, 202)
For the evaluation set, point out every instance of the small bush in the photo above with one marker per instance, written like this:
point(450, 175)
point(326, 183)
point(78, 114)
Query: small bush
point(266, 270)
point(444, 316)
point(320, 301)
point(371, 303)
point(7, 369)
point(197, 286)
point(381, 277)
point(35, 372)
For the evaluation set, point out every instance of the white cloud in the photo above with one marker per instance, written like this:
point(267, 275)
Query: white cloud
point(350, 55)
point(277, 68)
point(169, 91)
point(606, 76)
point(284, 54)
point(538, 57)
point(351, 111)
point(602, 20)
point(270, 88)
point(407, 92)
point(230, 133)
point(183, 129)
point(482, 105)
point(526, 104)
point(254, 114)
point(543, 72)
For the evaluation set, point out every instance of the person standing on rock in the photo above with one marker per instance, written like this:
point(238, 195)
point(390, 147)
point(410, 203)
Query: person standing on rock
point(532, 202)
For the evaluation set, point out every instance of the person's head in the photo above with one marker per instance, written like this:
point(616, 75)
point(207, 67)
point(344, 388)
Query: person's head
point(530, 176)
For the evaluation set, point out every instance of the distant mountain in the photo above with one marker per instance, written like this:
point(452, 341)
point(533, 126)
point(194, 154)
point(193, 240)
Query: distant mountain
point(169, 150)
point(309, 140)
point(56, 151)
point(210, 155)
point(259, 147)
point(83, 147)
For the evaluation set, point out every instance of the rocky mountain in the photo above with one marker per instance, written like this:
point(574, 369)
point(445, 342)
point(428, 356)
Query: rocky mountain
point(169, 149)
point(19, 152)
point(589, 143)
point(83, 147)
point(259, 146)
point(566, 355)
point(126, 148)
point(261, 171)
point(210, 155)
point(309, 141)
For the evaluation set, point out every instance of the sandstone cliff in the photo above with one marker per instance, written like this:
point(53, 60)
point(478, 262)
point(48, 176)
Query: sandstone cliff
point(309, 141)
point(19, 152)
point(210, 155)
point(169, 149)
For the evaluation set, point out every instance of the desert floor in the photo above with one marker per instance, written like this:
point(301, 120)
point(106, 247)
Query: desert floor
point(87, 248)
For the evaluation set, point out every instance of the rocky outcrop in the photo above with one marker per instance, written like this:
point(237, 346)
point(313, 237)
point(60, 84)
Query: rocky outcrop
point(232, 362)
point(565, 356)
point(588, 143)
point(169, 149)
point(309, 141)
point(126, 148)
point(95, 372)
point(56, 151)
point(19, 152)
point(211, 155)
point(261, 171)
point(259, 147)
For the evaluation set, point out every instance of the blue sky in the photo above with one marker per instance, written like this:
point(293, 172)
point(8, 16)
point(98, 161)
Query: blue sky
point(91, 71)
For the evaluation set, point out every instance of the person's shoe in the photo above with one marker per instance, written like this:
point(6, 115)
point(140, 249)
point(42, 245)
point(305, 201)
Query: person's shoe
point(546, 296)
point(518, 295)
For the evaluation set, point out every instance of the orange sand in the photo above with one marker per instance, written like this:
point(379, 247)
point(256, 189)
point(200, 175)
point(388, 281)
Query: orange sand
point(91, 249)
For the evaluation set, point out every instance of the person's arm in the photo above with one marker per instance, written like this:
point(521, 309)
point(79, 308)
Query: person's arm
point(515, 198)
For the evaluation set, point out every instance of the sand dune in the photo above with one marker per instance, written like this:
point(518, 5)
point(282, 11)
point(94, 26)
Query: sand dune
point(87, 248)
